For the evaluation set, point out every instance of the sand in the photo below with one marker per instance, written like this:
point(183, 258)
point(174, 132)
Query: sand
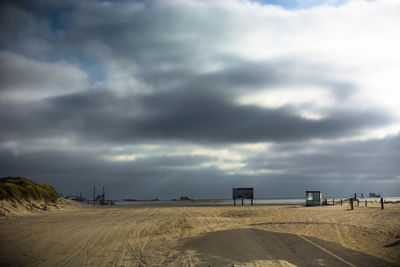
point(24, 207)
point(82, 235)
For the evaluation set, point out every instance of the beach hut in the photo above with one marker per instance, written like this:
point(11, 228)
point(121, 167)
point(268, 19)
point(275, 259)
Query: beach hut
point(313, 198)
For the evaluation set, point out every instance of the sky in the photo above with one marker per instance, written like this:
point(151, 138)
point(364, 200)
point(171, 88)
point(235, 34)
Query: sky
point(162, 99)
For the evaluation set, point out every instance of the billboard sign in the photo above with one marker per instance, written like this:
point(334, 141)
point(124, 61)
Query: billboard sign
point(246, 192)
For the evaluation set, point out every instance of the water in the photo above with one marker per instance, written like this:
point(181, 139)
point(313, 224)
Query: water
point(229, 202)
point(369, 199)
point(217, 202)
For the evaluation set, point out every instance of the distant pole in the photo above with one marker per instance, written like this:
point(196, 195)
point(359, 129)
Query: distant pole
point(104, 198)
point(341, 202)
point(355, 196)
point(94, 195)
point(242, 201)
point(381, 202)
point(365, 203)
point(351, 203)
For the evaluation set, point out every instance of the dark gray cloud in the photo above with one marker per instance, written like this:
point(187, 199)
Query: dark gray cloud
point(212, 117)
point(191, 115)
point(371, 160)
point(70, 172)
point(171, 176)
point(143, 96)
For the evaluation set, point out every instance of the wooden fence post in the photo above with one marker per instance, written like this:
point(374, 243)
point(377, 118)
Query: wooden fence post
point(381, 202)
point(365, 203)
point(351, 203)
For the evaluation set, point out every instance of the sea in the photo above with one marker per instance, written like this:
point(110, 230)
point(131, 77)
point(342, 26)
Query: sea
point(257, 201)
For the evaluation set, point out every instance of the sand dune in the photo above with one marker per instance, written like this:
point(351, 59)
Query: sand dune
point(25, 207)
point(21, 196)
point(151, 236)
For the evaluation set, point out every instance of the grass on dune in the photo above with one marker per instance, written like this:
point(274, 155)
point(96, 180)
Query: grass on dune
point(19, 188)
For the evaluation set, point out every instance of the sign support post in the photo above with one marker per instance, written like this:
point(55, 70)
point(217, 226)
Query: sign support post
point(243, 193)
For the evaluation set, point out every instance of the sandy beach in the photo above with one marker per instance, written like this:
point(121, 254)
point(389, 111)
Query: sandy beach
point(146, 235)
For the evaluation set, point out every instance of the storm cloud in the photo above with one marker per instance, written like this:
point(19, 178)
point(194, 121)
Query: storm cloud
point(164, 98)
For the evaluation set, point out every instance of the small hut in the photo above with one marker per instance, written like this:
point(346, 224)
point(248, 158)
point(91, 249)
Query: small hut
point(313, 198)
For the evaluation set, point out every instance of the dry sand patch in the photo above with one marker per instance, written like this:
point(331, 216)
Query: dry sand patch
point(149, 236)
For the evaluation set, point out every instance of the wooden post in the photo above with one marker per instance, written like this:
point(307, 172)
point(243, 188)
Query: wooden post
point(381, 202)
point(365, 203)
point(242, 201)
point(355, 196)
point(351, 203)
point(341, 202)
point(104, 198)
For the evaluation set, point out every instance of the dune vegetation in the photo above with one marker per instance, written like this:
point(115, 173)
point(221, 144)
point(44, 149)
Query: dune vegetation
point(19, 188)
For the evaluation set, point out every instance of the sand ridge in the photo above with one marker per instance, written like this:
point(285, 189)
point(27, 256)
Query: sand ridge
point(23, 207)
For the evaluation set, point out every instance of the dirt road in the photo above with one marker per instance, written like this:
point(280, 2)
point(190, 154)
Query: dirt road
point(251, 245)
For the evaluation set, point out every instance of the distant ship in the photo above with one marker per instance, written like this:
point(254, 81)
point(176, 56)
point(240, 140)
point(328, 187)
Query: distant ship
point(374, 194)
